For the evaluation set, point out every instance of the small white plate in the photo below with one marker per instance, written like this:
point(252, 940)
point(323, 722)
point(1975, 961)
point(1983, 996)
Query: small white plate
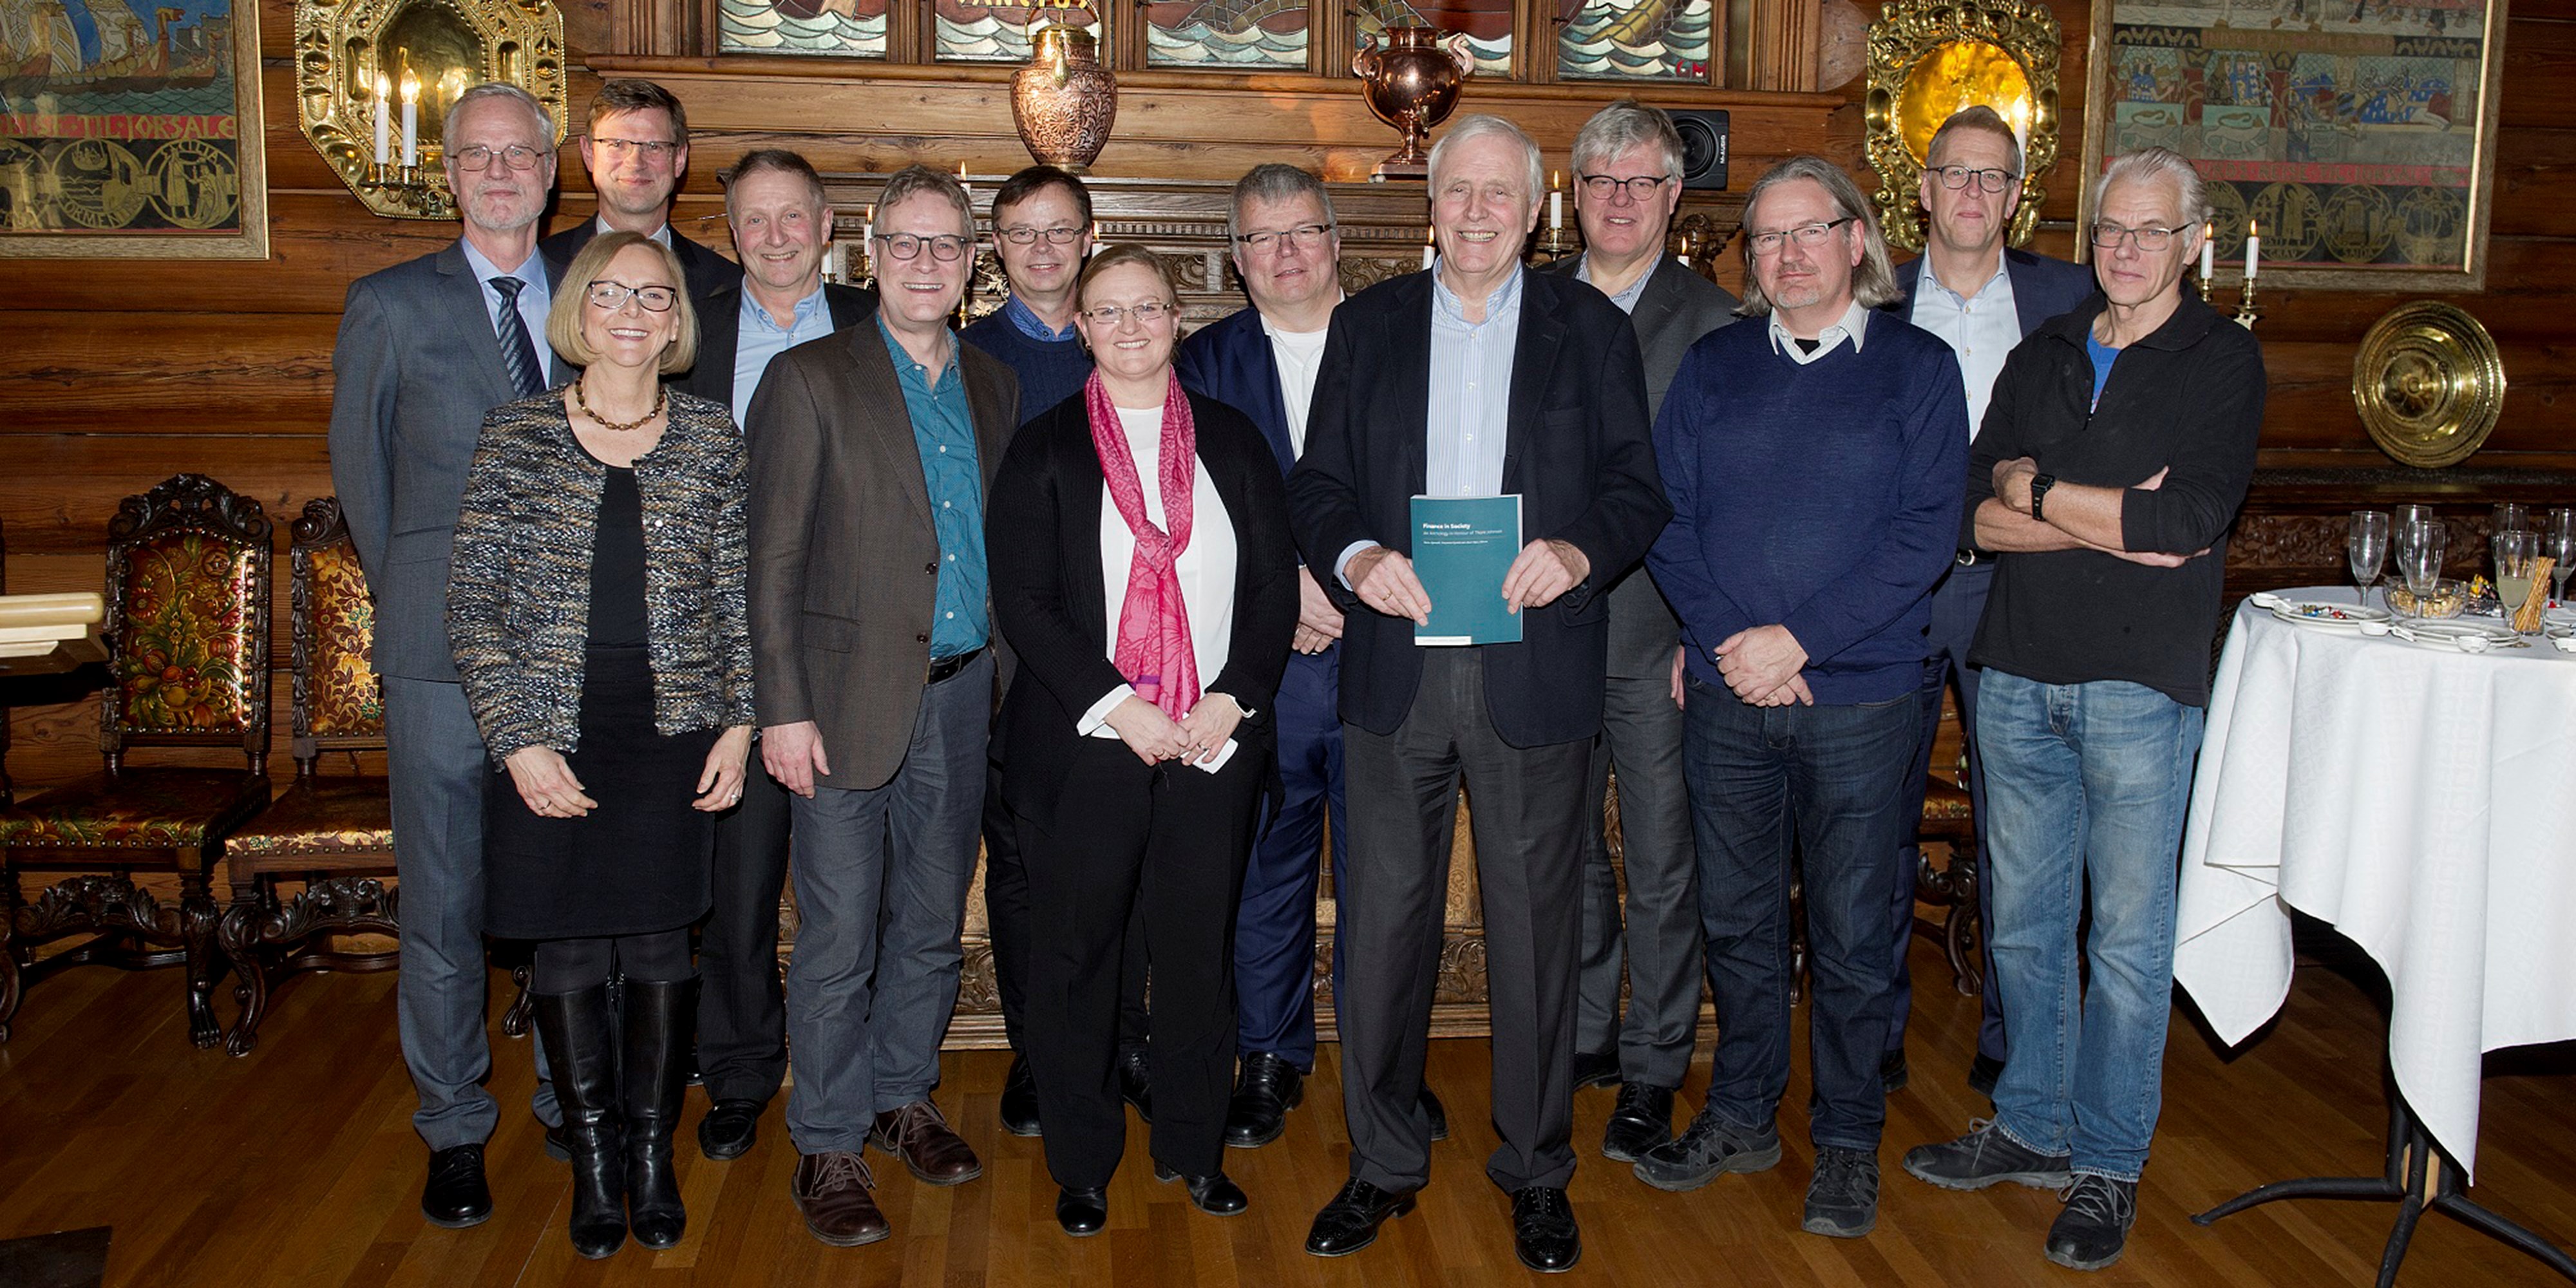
point(2465, 636)
point(2325, 614)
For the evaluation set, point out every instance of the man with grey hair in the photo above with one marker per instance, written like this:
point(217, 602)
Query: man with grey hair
point(425, 348)
point(1627, 170)
point(1813, 459)
point(2118, 448)
point(1981, 297)
point(1478, 379)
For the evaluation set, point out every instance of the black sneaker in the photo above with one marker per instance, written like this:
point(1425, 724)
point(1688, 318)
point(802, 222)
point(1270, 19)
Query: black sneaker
point(1708, 1148)
point(1983, 1157)
point(1842, 1200)
point(2094, 1229)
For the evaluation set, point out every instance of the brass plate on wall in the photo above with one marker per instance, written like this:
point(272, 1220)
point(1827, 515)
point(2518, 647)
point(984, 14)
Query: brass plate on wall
point(1930, 58)
point(344, 47)
point(2429, 383)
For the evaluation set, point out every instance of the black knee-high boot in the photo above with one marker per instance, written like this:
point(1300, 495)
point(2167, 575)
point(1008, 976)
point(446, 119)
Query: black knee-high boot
point(658, 1022)
point(582, 1049)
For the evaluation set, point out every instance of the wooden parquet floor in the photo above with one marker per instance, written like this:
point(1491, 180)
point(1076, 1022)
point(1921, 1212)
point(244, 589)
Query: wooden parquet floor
point(298, 1166)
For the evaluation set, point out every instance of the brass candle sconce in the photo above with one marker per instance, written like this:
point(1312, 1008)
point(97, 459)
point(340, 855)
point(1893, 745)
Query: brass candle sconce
point(374, 79)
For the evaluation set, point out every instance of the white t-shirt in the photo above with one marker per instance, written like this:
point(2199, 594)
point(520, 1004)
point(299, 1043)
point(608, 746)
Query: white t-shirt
point(1300, 354)
point(1206, 566)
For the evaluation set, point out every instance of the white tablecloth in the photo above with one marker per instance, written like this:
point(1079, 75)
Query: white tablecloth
point(2420, 800)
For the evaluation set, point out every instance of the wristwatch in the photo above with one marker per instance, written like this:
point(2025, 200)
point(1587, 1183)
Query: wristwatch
point(2039, 485)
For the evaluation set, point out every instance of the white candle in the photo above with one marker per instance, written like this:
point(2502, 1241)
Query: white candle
point(1555, 202)
point(1426, 250)
point(411, 120)
point(2208, 251)
point(1095, 238)
point(961, 182)
point(383, 155)
point(2253, 248)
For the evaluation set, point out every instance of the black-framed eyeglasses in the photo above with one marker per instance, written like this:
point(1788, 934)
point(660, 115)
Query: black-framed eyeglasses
point(1023, 235)
point(1805, 235)
point(605, 294)
point(944, 247)
point(2108, 235)
point(478, 158)
point(1638, 188)
point(649, 149)
point(1146, 313)
point(1306, 236)
point(1955, 177)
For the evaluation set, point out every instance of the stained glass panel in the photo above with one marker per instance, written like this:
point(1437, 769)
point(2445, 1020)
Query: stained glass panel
point(1653, 40)
point(843, 28)
point(1254, 35)
point(1487, 24)
point(999, 33)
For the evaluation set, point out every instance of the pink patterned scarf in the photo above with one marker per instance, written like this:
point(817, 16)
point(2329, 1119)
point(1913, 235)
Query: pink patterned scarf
point(1154, 649)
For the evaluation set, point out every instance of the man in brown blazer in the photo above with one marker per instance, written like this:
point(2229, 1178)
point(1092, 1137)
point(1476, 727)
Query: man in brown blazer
point(871, 453)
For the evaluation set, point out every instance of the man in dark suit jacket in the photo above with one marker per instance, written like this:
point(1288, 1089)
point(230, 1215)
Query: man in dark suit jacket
point(774, 203)
point(1982, 297)
point(425, 348)
point(635, 150)
point(1627, 168)
point(1538, 393)
point(872, 450)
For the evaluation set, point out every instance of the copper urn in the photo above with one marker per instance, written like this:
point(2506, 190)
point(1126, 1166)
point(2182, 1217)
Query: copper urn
point(1063, 101)
point(1411, 82)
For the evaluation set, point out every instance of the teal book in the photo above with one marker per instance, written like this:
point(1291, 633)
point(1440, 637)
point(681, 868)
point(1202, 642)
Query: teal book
point(1463, 546)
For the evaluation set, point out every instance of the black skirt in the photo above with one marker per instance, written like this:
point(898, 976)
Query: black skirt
point(639, 862)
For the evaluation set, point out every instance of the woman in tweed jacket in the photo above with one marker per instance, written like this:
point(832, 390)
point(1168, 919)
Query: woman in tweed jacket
point(596, 606)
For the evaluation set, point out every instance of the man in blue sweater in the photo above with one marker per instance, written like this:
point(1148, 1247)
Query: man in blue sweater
point(1810, 458)
point(1042, 235)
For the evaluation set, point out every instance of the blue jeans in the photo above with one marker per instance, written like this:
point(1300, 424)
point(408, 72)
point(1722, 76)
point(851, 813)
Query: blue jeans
point(1830, 780)
point(2086, 784)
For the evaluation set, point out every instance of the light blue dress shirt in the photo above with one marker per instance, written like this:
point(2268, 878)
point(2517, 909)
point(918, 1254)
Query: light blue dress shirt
point(763, 339)
point(536, 299)
point(1471, 389)
point(944, 431)
point(1627, 298)
point(1031, 325)
point(1981, 329)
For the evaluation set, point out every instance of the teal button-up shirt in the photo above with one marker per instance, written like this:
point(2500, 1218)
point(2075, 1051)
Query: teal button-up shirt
point(944, 431)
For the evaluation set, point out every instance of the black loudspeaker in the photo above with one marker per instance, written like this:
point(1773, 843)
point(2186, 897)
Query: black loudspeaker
point(1703, 146)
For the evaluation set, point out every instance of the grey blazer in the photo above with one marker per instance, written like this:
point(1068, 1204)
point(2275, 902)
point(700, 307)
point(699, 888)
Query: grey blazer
point(416, 366)
point(844, 559)
point(1677, 307)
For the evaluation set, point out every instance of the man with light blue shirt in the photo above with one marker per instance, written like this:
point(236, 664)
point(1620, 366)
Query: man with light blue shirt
point(775, 205)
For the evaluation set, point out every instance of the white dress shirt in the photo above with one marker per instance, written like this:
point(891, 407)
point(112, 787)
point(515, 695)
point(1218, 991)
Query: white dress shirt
point(1205, 565)
point(1853, 325)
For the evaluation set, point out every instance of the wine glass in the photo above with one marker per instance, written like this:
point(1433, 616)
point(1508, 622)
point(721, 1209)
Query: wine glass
point(2558, 541)
point(2407, 518)
point(2508, 516)
point(2515, 554)
point(2366, 548)
point(2419, 560)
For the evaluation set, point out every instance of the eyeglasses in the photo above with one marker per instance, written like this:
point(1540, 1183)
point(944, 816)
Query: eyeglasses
point(1306, 236)
point(605, 294)
point(943, 248)
point(1955, 177)
point(2109, 235)
point(1146, 313)
point(478, 158)
point(1639, 188)
point(1023, 235)
point(649, 149)
point(1763, 244)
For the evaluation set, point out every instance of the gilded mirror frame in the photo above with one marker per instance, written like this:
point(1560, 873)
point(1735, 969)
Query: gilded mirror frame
point(342, 46)
point(1911, 91)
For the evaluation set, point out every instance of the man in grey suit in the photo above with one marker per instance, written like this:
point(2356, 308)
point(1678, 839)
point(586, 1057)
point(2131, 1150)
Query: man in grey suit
point(1627, 166)
point(872, 450)
point(426, 348)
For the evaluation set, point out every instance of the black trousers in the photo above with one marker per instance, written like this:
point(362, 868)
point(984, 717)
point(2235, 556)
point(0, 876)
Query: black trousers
point(742, 1017)
point(1006, 922)
point(1161, 845)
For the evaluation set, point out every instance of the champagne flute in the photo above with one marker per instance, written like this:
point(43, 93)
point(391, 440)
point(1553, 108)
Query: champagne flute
point(2420, 561)
point(2408, 518)
point(2366, 548)
point(2516, 553)
point(2558, 541)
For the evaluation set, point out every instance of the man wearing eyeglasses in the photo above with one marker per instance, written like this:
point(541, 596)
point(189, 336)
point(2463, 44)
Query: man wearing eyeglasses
point(1627, 167)
point(872, 450)
point(1981, 297)
point(2112, 463)
point(1812, 457)
point(425, 349)
point(1042, 234)
point(635, 150)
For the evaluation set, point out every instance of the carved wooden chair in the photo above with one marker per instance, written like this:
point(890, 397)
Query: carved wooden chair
point(332, 832)
point(1950, 817)
point(188, 568)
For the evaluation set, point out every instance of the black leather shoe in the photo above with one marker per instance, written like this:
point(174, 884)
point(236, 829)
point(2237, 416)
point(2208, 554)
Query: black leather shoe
point(729, 1129)
point(1020, 1098)
point(1642, 1120)
point(1543, 1233)
point(1438, 1114)
point(659, 1014)
point(581, 1046)
point(1596, 1069)
point(1216, 1195)
point(1892, 1073)
point(1264, 1091)
point(1134, 1085)
point(1082, 1213)
point(1349, 1223)
point(1983, 1072)
point(456, 1195)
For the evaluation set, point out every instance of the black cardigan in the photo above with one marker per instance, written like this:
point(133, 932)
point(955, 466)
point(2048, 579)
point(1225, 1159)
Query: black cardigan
point(1042, 546)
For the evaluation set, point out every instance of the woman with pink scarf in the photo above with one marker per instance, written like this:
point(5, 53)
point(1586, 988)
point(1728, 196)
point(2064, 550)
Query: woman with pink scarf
point(1144, 580)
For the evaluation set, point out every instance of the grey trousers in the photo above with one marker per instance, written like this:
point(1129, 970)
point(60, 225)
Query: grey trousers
point(1527, 811)
point(435, 758)
point(881, 878)
point(1641, 732)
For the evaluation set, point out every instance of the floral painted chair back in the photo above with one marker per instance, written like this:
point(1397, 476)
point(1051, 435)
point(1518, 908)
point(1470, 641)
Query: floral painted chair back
point(339, 704)
point(188, 572)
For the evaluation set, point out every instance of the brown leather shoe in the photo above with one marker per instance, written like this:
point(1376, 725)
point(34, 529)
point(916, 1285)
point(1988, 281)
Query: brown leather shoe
point(919, 1136)
point(831, 1189)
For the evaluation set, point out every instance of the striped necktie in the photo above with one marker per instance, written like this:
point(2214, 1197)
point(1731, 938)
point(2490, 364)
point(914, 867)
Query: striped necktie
point(518, 352)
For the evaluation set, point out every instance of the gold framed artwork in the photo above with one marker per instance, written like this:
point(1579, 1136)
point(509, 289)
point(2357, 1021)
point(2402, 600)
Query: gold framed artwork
point(2359, 136)
point(1928, 59)
point(131, 135)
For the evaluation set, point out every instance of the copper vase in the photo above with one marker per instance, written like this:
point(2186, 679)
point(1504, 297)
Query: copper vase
point(1064, 101)
point(1411, 82)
